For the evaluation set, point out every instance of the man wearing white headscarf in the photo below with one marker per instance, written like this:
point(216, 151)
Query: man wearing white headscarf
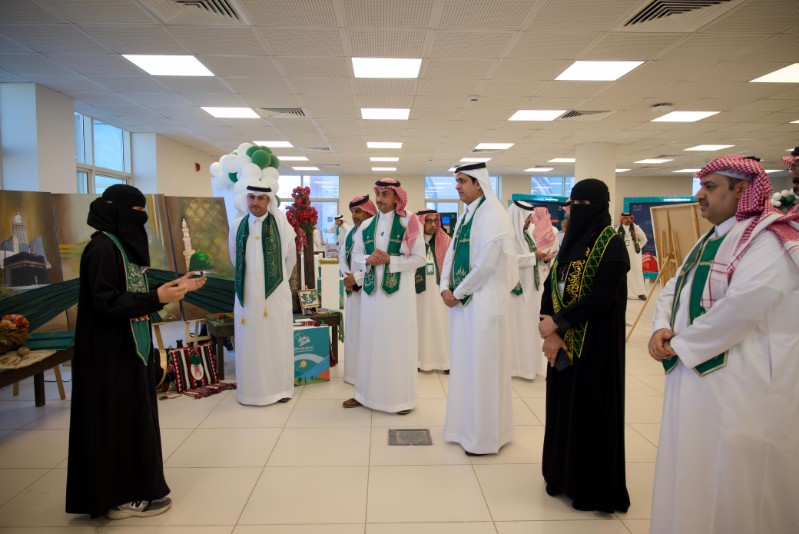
point(634, 239)
point(263, 253)
point(340, 229)
point(525, 301)
point(432, 314)
point(480, 270)
point(388, 250)
point(361, 208)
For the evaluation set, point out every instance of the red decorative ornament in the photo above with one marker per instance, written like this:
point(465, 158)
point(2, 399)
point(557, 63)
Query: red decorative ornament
point(302, 216)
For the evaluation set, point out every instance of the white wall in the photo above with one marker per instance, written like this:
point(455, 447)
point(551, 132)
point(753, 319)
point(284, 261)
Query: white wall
point(55, 124)
point(175, 168)
point(144, 159)
point(19, 141)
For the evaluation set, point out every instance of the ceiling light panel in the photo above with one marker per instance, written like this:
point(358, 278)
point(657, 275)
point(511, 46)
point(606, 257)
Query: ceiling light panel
point(383, 144)
point(562, 160)
point(232, 113)
point(274, 144)
point(598, 70)
point(537, 114)
point(391, 114)
point(157, 65)
point(654, 161)
point(708, 148)
point(378, 67)
point(293, 158)
point(539, 169)
point(475, 160)
point(493, 146)
point(685, 116)
point(789, 74)
point(379, 158)
point(384, 169)
point(305, 168)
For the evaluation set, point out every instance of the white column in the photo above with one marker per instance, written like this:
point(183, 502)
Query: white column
point(598, 160)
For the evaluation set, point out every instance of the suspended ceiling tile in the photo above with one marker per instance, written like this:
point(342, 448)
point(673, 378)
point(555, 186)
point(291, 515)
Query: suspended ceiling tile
point(320, 13)
point(7, 77)
point(322, 86)
point(755, 91)
point(505, 88)
point(529, 69)
point(64, 38)
point(333, 67)
point(240, 66)
point(547, 44)
point(384, 87)
point(766, 16)
point(212, 100)
point(302, 42)
point(100, 99)
point(127, 111)
point(586, 15)
point(469, 45)
point(219, 40)
point(194, 84)
point(385, 101)
point(572, 89)
point(130, 84)
point(481, 15)
point(667, 71)
point(270, 100)
point(16, 12)
point(253, 84)
point(772, 51)
point(453, 88)
point(387, 42)
point(155, 100)
point(447, 69)
point(712, 47)
point(630, 46)
point(66, 84)
point(97, 64)
point(333, 113)
point(139, 39)
point(99, 12)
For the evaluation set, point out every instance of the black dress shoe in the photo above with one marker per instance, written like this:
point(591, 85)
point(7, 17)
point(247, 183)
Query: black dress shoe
point(284, 400)
point(641, 297)
point(475, 453)
point(446, 371)
point(552, 490)
point(403, 412)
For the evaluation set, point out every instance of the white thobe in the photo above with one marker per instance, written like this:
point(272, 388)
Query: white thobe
point(352, 317)
point(264, 345)
point(388, 349)
point(341, 234)
point(728, 458)
point(526, 358)
point(433, 320)
point(635, 277)
point(479, 408)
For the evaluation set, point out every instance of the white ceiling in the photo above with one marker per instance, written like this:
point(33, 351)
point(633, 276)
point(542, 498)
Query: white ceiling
point(295, 53)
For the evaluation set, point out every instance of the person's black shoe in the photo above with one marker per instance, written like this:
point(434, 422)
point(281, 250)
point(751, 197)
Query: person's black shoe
point(446, 371)
point(404, 412)
point(284, 400)
point(552, 490)
point(475, 453)
point(641, 297)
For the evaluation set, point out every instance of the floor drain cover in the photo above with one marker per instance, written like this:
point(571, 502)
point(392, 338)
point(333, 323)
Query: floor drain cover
point(409, 436)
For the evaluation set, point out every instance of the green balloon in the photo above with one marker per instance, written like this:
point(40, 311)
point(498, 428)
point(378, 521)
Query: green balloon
point(261, 158)
point(252, 149)
point(275, 162)
point(267, 149)
point(233, 177)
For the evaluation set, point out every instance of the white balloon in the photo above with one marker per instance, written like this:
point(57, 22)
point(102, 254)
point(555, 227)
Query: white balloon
point(215, 169)
point(250, 171)
point(240, 203)
point(221, 182)
point(228, 163)
point(270, 172)
point(241, 186)
point(272, 184)
point(242, 160)
point(242, 149)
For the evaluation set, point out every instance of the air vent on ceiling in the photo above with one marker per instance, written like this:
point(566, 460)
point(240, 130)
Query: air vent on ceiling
point(329, 164)
point(282, 113)
point(220, 7)
point(657, 9)
point(318, 149)
point(575, 115)
point(479, 150)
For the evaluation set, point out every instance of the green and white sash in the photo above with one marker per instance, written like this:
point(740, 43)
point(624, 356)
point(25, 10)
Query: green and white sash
point(518, 291)
point(578, 281)
point(391, 281)
point(136, 282)
point(273, 260)
point(461, 254)
point(701, 258)
point(348, 244)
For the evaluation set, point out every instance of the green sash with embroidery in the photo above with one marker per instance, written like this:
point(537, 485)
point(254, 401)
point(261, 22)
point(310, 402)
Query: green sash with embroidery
point(391, 281)
point(424, 270)
point(348, 243)
point(578, 281)
point(701, 258)
point(136, 282)
point(273, 260)
point(461, 258)
point(517, 291)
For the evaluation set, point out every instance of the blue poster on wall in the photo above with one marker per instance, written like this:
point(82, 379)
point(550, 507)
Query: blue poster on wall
point(552, 203)
point(638, 207)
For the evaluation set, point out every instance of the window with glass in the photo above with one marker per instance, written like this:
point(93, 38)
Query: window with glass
point(102, 154)
point(558, 186)
point(440, 193)
point(324, 197)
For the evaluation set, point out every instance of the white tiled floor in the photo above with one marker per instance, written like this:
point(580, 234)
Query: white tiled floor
point(311, 467)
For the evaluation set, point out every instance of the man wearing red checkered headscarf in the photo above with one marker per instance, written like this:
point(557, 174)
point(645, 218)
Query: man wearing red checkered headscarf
point(361, 208)
point(792, 164)
point(728, 459)
point(387, 252)
point(433, 318)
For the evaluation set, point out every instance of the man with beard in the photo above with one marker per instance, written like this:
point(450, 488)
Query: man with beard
point(115, 464)
point(361, 208)
point(582, 323)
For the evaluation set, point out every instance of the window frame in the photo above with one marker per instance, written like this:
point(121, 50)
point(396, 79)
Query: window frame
point(86, 171)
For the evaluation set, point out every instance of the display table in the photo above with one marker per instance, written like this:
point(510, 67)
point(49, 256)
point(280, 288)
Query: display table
point(218, 331)
point(36, 370)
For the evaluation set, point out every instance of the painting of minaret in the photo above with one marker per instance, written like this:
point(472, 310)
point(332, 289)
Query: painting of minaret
point(24, 263)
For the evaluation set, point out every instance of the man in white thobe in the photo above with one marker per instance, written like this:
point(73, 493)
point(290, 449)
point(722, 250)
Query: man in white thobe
point(725, 330)
point(388, 249)
point(263, 254)
point(361, 208)
point(479, 271)
point(433, 316)
point(525, 300)
point(340, 229)
point(635, 239)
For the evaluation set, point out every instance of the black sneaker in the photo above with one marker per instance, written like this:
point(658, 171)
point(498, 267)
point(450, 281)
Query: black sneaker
point(140, 509)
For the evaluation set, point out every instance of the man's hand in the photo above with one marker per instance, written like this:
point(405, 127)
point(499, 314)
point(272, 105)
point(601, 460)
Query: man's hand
point(659, 347)
point(378, 257)
point(349, 281)
point(449, 298)
point(546, 326)
point(552, 344)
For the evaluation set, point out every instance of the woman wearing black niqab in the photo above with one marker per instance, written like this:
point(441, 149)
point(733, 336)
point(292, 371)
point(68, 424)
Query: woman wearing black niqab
point(583, 311)
point(115, 465)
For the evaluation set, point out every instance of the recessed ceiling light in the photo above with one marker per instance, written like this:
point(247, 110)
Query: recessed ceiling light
point(305, 168)
point(654, 160)
point(562, 160)
point(685, 116)
point(493, 146)
point(708, 148)
point(274, 144)
point(390, 114)
point(380, 158)
point(232, 113)
point(692, 171)
point(475, 160)
point(451, 169)
point(795, 122)
point(539, 169)
point(537, 114)
point(382, 144)
point(292, 158)
point(383, 67)
point(161, 65)
point(622, 170)
point(384, 169)
point(789, 74)
point(598, 70)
